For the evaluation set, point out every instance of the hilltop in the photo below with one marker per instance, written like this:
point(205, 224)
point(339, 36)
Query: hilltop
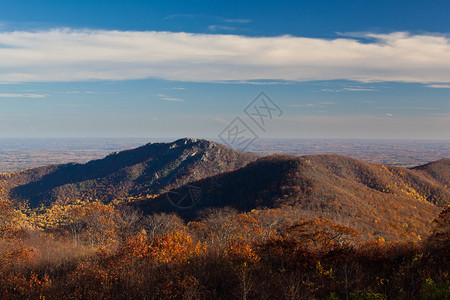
point(145, 170)
point(376, 199)
point(439, 170)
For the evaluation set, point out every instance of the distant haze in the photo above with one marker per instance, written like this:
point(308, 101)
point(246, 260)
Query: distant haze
point(17, 154)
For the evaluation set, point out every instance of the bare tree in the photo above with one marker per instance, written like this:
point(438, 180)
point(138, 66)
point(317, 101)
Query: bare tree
point(127, 220)
point(161, 224)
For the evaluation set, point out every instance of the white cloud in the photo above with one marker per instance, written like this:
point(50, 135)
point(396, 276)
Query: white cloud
point(172, 99)
point(359, 90)
point(439, 86)
point(301, 105)
point(239, 21)
point(167, 98)
point(256, 82)
point(181, 16)
point(403, 108)
point(76, 55)
point(321, 104)
point(389, 115)
point(221, 27)
point(22, 96)
point(350, 90)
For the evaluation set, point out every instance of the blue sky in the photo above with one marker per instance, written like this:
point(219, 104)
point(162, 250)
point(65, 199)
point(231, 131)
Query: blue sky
point(337, 69)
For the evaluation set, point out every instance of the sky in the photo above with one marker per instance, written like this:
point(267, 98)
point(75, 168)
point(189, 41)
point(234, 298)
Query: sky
point(208, 69)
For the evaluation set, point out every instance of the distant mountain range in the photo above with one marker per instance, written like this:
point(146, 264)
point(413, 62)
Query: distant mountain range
point(189, 175)
point(145, 170)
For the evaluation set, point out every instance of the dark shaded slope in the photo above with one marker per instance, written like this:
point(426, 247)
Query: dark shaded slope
point(260, 183)
point(144, 170)
point(374, 198)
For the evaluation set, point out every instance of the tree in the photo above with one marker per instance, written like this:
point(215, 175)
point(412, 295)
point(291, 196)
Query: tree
point(162, 224)
point(94, 221)
point(440, 238)
point(127, 220)
point(221, 226)
point(322, 232)
point(6, 216)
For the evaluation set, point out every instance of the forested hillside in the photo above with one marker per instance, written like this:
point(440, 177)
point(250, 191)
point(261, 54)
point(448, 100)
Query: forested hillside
point(276, 227)
point(392, 202)
point(101, 252)
point(142, 171)
point(389, 202)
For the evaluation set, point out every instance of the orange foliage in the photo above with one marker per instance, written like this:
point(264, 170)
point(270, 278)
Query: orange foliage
point(323, 232)
point(175, 247)
point(241, 254)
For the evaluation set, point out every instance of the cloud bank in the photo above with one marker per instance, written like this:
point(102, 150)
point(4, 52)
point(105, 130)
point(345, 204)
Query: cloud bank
point(22, 96)
point(79, 55)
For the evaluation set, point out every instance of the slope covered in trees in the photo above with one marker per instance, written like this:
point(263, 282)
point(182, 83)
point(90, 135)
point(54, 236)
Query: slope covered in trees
point(379, 200)
point(144, 170)
point(102, 252)
point(277, 227)
point(439, 170)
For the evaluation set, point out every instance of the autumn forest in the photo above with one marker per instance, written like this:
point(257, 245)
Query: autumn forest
point(260, 228)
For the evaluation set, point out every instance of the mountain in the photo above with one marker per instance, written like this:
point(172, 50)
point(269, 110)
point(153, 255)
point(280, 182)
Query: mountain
point(438, 170)
point(189, 175)
point(376, 199)
point(142, 171)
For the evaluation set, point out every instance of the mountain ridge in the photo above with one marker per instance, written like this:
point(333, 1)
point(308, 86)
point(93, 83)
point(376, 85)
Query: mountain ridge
point(146, 169)
point(377, 199)
point(374, 198)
